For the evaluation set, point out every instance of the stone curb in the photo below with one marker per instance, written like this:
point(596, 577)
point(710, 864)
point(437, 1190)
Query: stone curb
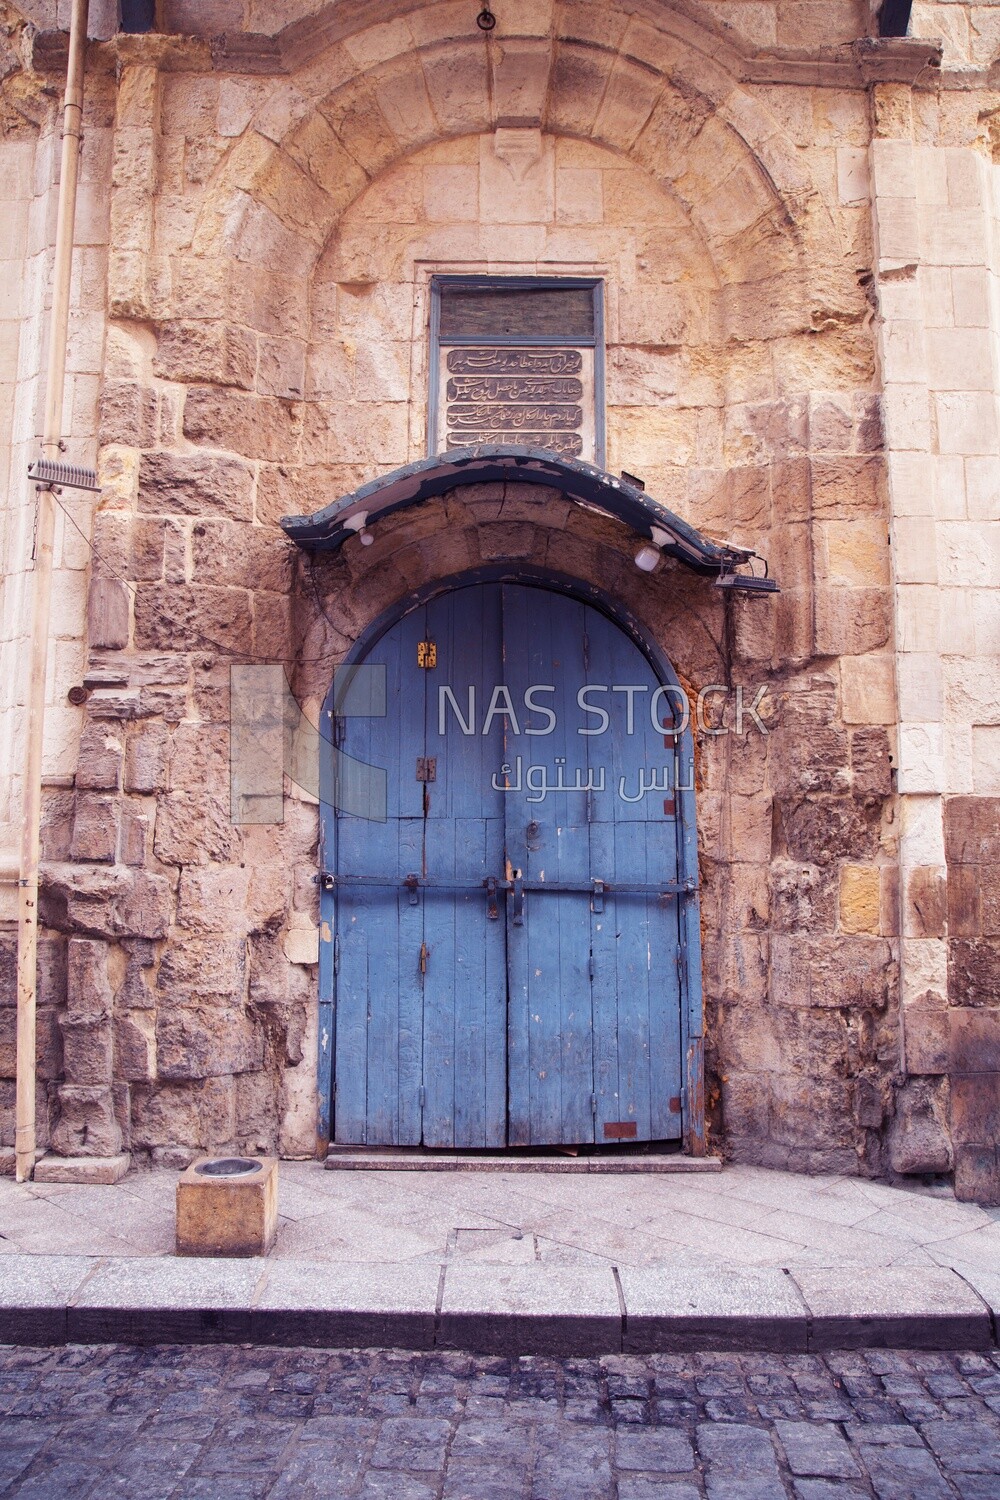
point(554, 1310)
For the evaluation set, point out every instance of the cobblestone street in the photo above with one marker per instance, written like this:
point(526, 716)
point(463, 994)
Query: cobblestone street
point(214, 1422)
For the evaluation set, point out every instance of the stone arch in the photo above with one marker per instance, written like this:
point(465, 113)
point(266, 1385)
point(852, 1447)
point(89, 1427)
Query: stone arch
point(646, 89)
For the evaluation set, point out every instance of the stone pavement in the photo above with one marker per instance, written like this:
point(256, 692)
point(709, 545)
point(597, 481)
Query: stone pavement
point(170, 1423)
point(514, 1262)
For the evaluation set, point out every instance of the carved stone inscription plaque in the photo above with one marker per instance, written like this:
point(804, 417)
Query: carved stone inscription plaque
point(535, 397)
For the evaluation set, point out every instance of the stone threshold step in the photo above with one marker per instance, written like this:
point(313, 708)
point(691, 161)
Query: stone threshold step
point(347, 1159)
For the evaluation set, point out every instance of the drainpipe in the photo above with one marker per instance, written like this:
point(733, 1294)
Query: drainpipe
point(52, 446)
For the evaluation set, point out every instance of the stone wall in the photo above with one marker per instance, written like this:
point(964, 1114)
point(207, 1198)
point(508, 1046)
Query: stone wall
point(273, 233)
point(939, 332)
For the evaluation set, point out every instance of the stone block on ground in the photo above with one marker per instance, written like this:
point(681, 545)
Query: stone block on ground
point(91, 1170)
point(228, 1206)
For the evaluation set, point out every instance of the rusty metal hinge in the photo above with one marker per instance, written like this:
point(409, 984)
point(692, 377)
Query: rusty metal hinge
point(427, 768)
point(427, 654)
point(423, 958)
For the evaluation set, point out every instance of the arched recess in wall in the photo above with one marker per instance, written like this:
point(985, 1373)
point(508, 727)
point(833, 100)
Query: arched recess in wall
point(762, 241)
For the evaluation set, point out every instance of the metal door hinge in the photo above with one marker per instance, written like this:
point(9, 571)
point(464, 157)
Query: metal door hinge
point(427, 768)
point(424, 950)
point(593, 1104)
point(590, 966)
point(427, 654)
point(336, 954)
point(422, 1096)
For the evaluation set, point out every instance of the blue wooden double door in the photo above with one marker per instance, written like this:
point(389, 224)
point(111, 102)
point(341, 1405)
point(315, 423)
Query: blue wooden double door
point(505, 914)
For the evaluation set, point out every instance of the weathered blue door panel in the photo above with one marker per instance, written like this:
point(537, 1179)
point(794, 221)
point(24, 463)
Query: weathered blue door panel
point(378, 1015)
point(636, 939)
point(547, 1012)
point(465, 991)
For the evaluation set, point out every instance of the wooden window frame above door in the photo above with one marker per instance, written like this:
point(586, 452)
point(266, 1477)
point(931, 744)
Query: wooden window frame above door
point(595, 284)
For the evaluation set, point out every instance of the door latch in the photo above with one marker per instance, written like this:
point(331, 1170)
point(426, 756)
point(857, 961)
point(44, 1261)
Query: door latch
point(491, 898)
point(412, 884)
point(517, 891)
point(597, 898)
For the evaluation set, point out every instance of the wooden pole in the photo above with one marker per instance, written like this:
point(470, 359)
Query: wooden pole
point(52, 445)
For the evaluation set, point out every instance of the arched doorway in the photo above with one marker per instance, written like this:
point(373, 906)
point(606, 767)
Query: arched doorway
point(509, 893)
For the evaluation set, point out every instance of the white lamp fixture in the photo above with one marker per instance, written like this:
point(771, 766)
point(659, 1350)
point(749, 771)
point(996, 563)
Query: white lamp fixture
point(649, 554)
point(358, 523)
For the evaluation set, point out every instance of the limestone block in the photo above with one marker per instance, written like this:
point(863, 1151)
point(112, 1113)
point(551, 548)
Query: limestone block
point(975, 1108)
point(958, 359)
point(198, 1114)
point(234, 1213)
point(841, 971)
point(868, 689)
point(214, 899)
point(803, 898)
point(852, 621)
point(921, 760)
point(853, 182)
point(255, 426)
point(856, 552)
point(101, 754)
point(87, 1125)
point(95, 829)
point(190, 617)
point(982, 478)
point(926, 1033)
point(954, 237)
point(88, 1171)
point(966, 422)
point(974, 971)
point(972, 690)
point(203, 969)
point(128, 414)
point(907, 416)
point(921, 830)
point(977, 1173)
point(925, 913)
point(107, 614)
point(195, 485)
point(919, 1140)
point(968, 554)
point(897, 227)
point(821, 829)
point(134, 1047)
point(910, 485)
point(209, 1043)
point(206, 351)
point(146, 757)
point(301, 945)
point(229, 554)
point(915, 544)
point(860, 898)
point(919, 687)
point(193, 828)
point(520, 80)
point(86, 1051)
point(986, 760)
point(971, 296)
